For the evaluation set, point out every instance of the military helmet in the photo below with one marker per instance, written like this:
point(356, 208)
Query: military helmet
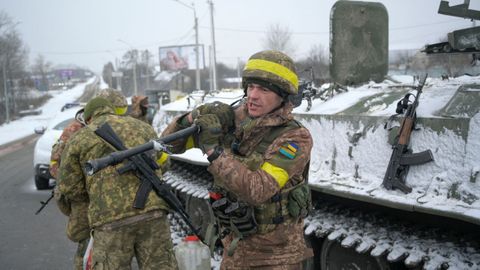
point(273, 67)
point(116, 98)
point(94, 104)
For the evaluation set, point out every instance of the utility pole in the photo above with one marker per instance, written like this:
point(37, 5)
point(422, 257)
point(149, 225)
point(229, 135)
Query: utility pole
point(119, 78)
point(135, 73)
point(147, 78)
point(210, 63)
point(197, 53)
point(7, 113)
point(214, 56)
point(239, 76)
point(134, 52)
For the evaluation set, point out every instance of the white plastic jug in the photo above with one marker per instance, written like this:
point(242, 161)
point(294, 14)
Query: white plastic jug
point(191, 254)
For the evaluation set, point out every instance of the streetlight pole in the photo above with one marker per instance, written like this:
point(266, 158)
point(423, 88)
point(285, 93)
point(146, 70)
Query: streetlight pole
point(197, 53)
point(7, 113)
point(134, 66)
point(214, 67)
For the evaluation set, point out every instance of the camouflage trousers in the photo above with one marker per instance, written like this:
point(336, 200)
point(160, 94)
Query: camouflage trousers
point(149, 241)
point(78, 260)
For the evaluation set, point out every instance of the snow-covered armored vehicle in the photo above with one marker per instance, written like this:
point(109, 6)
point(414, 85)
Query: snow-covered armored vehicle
point(357, 223)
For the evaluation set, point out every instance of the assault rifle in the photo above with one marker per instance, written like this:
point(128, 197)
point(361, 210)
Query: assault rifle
point(402, 156)
point(143, 165)
point(44, 203)
point(310, 91)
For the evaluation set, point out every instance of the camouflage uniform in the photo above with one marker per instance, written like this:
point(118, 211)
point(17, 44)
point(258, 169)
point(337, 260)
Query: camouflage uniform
point(245, 172)
point(143, 233)
point(78, 229)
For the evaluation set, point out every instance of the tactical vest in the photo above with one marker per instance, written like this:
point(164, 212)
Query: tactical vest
point(244, 220)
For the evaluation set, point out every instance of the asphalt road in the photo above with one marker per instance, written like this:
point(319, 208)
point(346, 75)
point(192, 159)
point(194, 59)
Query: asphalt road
point(29, 241)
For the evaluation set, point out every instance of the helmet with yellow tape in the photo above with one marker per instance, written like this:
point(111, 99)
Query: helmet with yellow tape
point(117, 99)
point(272, 69)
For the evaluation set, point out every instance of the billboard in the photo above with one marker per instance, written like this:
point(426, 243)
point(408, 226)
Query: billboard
point(174, 58)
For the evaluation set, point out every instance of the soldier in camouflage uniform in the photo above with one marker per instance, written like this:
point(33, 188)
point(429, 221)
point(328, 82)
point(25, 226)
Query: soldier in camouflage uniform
point(119, 230)
point(114, 96)
point(78, 229)
point(259, 158)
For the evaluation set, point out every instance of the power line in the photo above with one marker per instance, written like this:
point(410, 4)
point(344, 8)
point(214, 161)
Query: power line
point(186, 35)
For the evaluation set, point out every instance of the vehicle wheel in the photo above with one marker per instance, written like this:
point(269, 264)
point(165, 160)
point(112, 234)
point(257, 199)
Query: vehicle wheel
point(200, 213)
point(336, 257)
point(41, 182)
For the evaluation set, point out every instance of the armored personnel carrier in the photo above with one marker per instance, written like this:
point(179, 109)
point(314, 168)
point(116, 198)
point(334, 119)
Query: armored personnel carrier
point(358, 223)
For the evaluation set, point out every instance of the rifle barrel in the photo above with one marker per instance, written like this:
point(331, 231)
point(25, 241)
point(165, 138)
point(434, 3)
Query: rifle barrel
point(93, 166)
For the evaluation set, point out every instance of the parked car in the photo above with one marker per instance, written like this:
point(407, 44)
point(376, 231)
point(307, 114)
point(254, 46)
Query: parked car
point(43, 147)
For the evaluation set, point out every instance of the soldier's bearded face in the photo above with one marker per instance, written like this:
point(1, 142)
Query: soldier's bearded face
point(261, 100)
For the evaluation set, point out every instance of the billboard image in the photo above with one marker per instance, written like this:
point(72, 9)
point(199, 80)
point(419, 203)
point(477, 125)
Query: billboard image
point(174, 58)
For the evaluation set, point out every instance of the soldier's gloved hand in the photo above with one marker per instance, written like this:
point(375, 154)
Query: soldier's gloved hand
point(223, 111)
point(210, 132)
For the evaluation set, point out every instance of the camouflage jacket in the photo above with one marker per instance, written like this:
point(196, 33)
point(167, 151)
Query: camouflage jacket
point(111, 195)
point(77, 226)
point(59, 146)
point(243, 176)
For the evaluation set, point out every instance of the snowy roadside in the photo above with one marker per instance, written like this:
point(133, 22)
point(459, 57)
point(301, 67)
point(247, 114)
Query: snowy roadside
point(25, 126)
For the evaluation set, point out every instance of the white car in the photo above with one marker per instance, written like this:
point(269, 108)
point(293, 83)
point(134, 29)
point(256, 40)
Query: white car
point(43, 147)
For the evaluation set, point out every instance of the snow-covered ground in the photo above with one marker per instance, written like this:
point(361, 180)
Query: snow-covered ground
point(25, 126)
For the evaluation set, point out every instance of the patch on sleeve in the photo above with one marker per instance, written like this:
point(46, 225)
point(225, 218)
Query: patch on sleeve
point(289, 150)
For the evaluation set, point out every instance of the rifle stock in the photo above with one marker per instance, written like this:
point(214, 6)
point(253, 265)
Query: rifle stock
point(402, 157)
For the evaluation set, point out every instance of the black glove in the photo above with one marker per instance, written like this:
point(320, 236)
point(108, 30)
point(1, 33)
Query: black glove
point(210, 131)
point(223, 111)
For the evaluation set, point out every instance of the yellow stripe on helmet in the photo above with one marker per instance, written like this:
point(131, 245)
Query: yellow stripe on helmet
point(120, 110)
point(279, 174)
point(274, 68)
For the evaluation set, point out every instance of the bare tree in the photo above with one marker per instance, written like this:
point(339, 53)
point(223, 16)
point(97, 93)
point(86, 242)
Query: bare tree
point(404, 58)
point(317, 60)
point(279, 38)
point(41, 68)
point(13, 59)
point(146, 66)
point(107, 74)
point(13, 52)
point(130, 72)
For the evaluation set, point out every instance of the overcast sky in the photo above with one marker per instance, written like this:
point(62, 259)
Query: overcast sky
point(87, 32)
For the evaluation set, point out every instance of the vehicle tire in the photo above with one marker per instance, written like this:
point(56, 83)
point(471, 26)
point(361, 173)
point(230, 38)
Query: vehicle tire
point(336, 257)
point(42, 183)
